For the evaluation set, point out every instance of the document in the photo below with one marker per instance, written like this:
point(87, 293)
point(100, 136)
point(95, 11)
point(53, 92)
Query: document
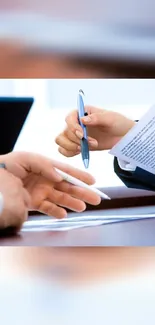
point(71, 223)
point(138, 145)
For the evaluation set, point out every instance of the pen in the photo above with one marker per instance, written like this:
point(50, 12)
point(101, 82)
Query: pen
point(84, 141)
point(77, 182)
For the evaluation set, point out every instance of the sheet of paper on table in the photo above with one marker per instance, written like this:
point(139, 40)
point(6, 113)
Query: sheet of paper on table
point(79, 222)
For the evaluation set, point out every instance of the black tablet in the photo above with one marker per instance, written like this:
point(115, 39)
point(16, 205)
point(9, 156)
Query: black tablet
point(13, 114)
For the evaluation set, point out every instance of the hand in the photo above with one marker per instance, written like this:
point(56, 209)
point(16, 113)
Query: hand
point(16, 200)
point(49, 193)
point(105, 129)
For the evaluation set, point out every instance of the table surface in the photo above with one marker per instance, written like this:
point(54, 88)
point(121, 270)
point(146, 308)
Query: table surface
point(129, 233)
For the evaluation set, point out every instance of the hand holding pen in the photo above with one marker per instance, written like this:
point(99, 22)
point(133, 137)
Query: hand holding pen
point(71, 148)
point(69, 140)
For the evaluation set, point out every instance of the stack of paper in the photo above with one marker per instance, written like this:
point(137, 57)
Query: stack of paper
point(79, 222)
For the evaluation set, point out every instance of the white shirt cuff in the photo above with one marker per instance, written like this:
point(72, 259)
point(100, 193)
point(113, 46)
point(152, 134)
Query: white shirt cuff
point(1, 203)
point(125, 166)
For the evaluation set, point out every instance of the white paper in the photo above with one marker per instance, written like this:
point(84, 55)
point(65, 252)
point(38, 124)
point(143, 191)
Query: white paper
point(79, 222)
point(138, 145)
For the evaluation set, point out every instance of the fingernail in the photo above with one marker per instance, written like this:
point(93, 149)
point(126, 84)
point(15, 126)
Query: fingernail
point(79, 134)
point(86, 119)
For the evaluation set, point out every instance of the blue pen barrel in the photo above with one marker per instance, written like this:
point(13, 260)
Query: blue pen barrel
point(84, 141)
point(85, 149)
point(81, 114)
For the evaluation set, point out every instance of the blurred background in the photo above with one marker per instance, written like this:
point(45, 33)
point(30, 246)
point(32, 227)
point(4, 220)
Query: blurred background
point(77, 39)
point(77, 286)
point(54, 99)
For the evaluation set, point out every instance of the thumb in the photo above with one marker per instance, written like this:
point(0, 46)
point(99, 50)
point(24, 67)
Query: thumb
point(96, 119)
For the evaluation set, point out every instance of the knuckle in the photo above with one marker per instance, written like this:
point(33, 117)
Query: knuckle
point(75, 147)
point(60, 149)
point(58, 139)
point(67, 133)
point(63, 152)
point(46, 207)
point(61, 197)
point(69, 154)
point(73, 137)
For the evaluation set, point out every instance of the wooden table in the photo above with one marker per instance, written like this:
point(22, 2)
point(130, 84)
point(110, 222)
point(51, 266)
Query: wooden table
point(123, 201)
point(129, 233)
